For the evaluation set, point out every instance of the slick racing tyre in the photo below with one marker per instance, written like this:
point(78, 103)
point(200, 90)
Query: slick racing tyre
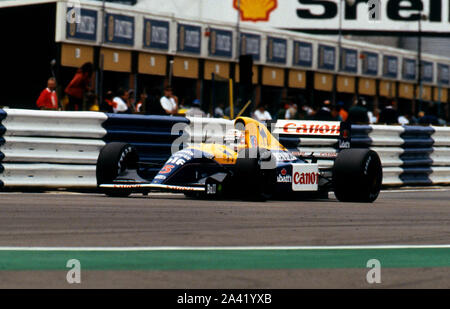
point(255, 174)
point(113, 160)
point(357, 175)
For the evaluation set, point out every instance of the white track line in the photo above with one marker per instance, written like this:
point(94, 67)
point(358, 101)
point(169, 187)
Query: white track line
point(357, 247)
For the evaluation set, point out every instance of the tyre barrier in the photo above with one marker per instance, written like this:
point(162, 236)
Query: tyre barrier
point(50, 149)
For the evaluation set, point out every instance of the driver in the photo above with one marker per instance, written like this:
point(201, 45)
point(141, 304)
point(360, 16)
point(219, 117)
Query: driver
point(235, 139)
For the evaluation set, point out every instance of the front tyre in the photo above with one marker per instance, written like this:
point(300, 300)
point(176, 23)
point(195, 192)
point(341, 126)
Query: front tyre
point(255, 174)
point(357, 175)
point(114, 159)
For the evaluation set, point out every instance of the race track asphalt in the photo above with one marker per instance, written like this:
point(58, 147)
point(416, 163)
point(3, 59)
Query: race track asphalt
point(60, 219)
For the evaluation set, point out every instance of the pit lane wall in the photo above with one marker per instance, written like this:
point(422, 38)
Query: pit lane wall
point(49, 149)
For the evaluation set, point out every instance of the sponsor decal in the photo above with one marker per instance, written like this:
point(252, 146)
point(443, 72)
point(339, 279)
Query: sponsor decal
point(283, 156)
point(255, 10)
point(211, 189)
point(125, 186)
point(166, 169)
point(178, 188)
point(283, 177)
point(344, 144)
point(371, 15)
point(305, 177)
point(315, 154)
point(308, 128)
point(185, 154)
point(176, 160)
point(161, 177)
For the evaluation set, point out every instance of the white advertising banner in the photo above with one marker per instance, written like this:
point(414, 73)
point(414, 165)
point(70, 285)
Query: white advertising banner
point(316, 15)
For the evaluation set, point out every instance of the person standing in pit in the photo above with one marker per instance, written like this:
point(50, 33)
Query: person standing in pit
point(48, 100)
point(169, 102)
point(120, 105)
point(78, 86)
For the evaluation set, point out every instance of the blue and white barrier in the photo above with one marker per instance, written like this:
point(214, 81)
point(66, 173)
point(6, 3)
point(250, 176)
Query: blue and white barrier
point(60, 149)
point(411, 155)
point(48, 149)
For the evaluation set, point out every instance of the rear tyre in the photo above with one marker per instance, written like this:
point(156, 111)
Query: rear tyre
point(114, 159)
point(255, 177)
point(357, 175)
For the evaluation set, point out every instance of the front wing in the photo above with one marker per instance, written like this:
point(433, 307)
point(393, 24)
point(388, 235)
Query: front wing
point(155, 187)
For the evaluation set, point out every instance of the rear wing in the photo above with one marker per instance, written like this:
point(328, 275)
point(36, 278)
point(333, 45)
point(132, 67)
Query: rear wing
point(320, 138)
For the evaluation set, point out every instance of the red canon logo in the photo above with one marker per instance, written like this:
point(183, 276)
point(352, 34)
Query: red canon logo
point(311, 129)
point(306, 178)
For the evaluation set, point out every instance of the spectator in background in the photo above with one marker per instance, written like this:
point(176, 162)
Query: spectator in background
point(427, 119)
point(324, 113)
point(169, 102)
point(131, 101)
point(107, 105)
point(78, 86)
point(120, 105)
point(227, 111)
point(335, 113)
point(388, 114)
point(372, 118)
point(48, 100)
point(281, 114)
point(413, 120)
point(375, 115)
point(292, 112)
point(218, 111)
point(141, 104)
point(358, 112)
point(195, 110)
point(342, 112)
point(261, 114)
point(403, 119)
point(308, 112)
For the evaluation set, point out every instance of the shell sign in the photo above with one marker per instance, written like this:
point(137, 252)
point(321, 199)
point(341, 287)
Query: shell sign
point(255, 10)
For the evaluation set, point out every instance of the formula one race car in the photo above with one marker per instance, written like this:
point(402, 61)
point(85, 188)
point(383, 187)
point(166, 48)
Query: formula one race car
point(251, 164)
